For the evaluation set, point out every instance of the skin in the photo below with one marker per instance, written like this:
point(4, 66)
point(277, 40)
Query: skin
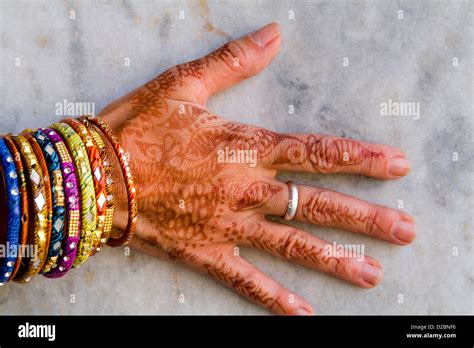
point(195, 210)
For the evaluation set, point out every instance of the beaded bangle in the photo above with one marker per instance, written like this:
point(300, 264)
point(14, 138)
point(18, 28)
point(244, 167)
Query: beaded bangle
point(47, 181)
point(68, 249)
point(24, 202)
point(88, 201)
point(14, 212)
point(127, 174)
point(54, 170)
point(98, 176)
point(37, 234)
point(109, 215)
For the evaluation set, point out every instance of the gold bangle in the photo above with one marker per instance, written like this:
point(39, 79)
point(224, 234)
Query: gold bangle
point(37, 236)
point(48, 189)
point(98, 177)
point(88, 199)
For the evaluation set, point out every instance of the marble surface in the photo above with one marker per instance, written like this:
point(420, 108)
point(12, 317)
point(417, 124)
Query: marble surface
point(425, 57)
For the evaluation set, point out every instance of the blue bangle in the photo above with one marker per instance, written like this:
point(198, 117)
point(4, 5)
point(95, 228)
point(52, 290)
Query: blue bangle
point(14, 213)
point(59, 209)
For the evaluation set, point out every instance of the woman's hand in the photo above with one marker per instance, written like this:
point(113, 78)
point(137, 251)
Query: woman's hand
point(196, 205)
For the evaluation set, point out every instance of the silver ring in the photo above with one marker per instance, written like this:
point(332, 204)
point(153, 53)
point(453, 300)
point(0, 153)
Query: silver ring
point(292, 201)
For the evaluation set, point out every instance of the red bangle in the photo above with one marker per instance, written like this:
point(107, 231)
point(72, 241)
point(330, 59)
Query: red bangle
point(127, 174)
point(109, 215)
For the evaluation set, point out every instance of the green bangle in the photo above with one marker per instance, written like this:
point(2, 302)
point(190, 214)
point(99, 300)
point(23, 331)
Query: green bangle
point(86, 184)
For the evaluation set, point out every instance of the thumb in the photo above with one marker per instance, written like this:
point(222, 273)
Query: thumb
point(236, 60)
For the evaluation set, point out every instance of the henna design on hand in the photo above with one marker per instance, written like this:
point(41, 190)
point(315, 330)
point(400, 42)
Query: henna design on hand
point(256, 195)
point(196, 210)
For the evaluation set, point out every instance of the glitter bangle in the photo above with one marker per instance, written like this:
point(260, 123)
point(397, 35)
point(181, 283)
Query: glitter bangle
point(24, 203)
point(54, 170)
point(37, 236)
point(88, 200)
point(109, 182)
point(14, 211)
point(127, 174)
point(47, 182)
point(98, 176)
point(73, 207)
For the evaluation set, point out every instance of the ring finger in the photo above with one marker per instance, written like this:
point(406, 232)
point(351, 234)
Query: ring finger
point(328, 208)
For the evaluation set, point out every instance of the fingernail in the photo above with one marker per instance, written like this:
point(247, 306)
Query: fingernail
point(301, 311)
point(263, 36)
point(371, 274)
point(398, 166)
point(404, 231)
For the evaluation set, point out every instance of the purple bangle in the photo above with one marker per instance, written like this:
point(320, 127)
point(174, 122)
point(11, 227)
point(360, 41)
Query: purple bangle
point(73, 213)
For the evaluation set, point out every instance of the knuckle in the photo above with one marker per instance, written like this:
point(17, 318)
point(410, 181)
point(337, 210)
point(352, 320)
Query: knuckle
point(294, 245)
point(252, 195)
point(343, 267)
point(188, 76)
point(351, 152)
point(181, 74)
point(238, 196)
point(322, 207)
point(370, 225)
point(368, 161)
point(327, 154)
point(234, 56)
point(324, 153)
point(289, 152)
point(246, 283)
point(368, 165)
point(354, 153)
point(249, 285)
point(276, 302)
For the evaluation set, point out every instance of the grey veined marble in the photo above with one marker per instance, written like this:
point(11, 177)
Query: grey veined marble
point(396, 72)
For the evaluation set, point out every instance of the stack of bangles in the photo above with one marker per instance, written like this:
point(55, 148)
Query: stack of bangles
point(57, 196)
